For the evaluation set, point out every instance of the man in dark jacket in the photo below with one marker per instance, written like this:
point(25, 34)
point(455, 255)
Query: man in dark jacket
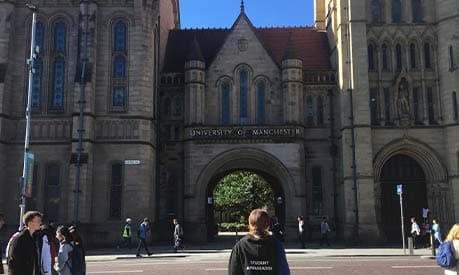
point(22, 253)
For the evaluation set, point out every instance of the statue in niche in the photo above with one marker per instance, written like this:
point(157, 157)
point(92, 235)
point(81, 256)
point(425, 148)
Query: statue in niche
point(403, 98)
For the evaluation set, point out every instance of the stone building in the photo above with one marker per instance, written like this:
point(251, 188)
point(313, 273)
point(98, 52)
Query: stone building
point(274, 101)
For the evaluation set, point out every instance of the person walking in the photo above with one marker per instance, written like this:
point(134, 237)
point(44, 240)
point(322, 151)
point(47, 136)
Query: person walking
point(178, 235)
point(276, 229)
point(63, 263)
point(44, 251)
point(258, 252)
point(144, 227)
point(22, 252)
point(127, 234)
point(436, 232)
point(453, 236)
point(415, 231)
point(301, 231)
point(324, 229)
point(79, 253)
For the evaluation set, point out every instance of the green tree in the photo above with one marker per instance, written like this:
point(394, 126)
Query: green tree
point(238, 193)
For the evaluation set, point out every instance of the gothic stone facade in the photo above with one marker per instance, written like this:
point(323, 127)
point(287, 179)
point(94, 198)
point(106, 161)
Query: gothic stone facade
point(274, 101)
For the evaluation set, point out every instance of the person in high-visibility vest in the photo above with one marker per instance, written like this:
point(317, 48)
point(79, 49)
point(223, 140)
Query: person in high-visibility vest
point(127, 234)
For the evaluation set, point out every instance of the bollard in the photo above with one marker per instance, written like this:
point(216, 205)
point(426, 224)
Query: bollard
point(410, 245)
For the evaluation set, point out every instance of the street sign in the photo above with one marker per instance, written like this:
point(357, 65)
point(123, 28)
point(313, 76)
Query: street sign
point(399, 189)
point(132, 162)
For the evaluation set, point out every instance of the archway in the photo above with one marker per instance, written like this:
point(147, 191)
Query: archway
point(200, 182)
point(258, 190)
point(401, 169)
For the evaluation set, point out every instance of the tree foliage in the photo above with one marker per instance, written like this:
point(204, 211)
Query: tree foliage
point(238, 193)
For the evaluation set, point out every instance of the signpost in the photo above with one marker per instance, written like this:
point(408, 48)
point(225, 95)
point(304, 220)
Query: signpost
point(399, 193)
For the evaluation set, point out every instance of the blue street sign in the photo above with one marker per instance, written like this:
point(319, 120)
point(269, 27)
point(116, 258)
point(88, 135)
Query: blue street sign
point(399, 189)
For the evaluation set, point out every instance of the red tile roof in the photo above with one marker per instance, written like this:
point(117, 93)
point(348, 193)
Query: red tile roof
point(310, 45)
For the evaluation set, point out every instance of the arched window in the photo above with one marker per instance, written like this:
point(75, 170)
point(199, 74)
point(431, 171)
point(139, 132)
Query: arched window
point(225, 90)
point(320, 111)
point(58, 65)
point(398, 57)
point(119, 43)
point(396, 11)
point(167, 107)
point(413, 56)
point(451, 58)
point(37, 78)
point(116, 190)
point(385, 64)
point(244, 89)
point(455, 106)
point(177, 106)
point(52, 192)
point(427, 57)
point(430, 105)
point(417, 10)
point(261, 94)
point(371, 57)
point(119, 67)
point(119, 61)
point(376, 11)
point(309, 111)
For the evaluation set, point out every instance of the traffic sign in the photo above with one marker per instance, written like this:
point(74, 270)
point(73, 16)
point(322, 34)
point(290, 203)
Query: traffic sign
point(399, 189)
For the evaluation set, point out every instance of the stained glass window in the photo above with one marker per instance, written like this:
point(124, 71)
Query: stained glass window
point(225, 89)
point(244, 87)
point(417, 11)
point(375, 11)
point(385, 64)
point(396, 11)
point(427, 62)
point(177, 106)
point(39, 35)
point(37, 83)
point(371, 58)
point(119, 68)
point(59, 37)
point(167, 107)
point(57, 100)
point(119, 96)
point(120, 37)
point(52, 192)
point(261, 102)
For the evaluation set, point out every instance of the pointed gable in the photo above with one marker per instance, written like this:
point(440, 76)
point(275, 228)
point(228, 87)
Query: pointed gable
point(306, 43)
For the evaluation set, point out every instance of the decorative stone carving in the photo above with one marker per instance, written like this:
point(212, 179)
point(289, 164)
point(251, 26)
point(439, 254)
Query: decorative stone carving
point(403, 99)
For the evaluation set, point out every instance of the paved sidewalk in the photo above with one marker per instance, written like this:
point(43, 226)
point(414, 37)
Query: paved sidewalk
point(213, 250)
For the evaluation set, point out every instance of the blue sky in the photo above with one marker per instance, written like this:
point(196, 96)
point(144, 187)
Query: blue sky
point(262, 13)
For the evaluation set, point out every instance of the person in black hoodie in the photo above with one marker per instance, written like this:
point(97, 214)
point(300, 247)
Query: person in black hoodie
point(258, 252)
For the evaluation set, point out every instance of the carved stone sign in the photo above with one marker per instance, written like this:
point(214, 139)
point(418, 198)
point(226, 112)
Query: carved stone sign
point(243, 132)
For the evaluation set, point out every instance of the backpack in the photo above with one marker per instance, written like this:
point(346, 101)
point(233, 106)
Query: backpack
point(445, 255)
point(78, 263)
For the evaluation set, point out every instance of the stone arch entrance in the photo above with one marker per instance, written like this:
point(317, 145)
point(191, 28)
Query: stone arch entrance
point(416, 164)
point(278, 198)
point(241, 159)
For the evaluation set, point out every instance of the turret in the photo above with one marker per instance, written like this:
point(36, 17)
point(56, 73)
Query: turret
point(292, 84)
point(195, 85)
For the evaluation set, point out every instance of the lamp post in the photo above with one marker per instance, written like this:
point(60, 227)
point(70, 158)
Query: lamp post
point(30, 64)
point(81, 103)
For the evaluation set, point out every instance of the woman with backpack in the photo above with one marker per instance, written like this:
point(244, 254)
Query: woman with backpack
point(63, 263)
point(453, 237)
